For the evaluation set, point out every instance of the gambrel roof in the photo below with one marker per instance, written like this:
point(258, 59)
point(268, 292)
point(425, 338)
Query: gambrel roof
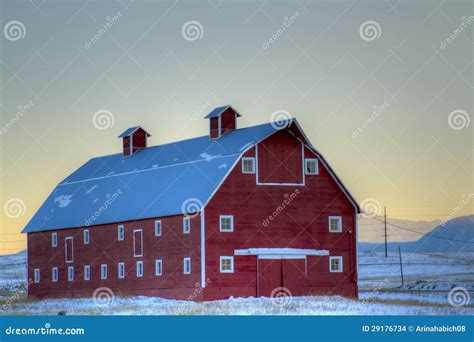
point(158, 181)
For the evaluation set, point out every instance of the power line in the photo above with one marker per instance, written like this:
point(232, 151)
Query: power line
point(424, 234)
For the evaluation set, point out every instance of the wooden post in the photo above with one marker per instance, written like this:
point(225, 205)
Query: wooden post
point(401, 266)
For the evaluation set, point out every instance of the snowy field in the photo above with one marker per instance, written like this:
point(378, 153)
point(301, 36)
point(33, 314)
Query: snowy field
point(428, 279)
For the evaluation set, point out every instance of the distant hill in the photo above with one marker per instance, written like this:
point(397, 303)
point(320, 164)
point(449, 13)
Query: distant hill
point(372, 229)
point(440, 239)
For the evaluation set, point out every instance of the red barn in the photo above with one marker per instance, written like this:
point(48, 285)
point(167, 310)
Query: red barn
point(239, 212)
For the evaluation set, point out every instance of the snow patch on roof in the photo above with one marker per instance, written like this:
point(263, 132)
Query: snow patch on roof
point(88, 191)
point(63, 200)
point(209, 157)
point(222, 166)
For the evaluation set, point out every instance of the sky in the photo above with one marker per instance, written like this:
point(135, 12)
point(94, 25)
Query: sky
point(384, 89)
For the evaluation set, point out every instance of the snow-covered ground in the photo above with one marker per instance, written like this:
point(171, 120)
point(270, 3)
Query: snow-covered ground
point(428, 279)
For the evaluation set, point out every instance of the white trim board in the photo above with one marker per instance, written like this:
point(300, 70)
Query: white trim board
point(281, 251)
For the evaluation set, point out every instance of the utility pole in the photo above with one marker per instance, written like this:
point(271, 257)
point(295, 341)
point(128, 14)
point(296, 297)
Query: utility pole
point(401, 267)
point(385, 224)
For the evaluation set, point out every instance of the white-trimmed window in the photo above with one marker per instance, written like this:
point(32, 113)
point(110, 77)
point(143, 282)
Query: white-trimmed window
point(311, 166)
point(120, 232)
point(335, 264)
point(139, 268)
point(187, 266)
point(86, 236)
point(158, 228)
point(186, 225)
point(87, 272)
point(70, 273)
point(226, 223)
point(227, 264)
point(158, 267)
point(103, 271)
point(54, 239)
point(54, 274)
point(69, 249)
point(121, 270)
point(248, 165)
point(37, 275)
point(335, 224)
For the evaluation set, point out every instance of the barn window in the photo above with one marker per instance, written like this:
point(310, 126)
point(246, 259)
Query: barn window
point(70, 273)
point(335, 264)
point(54, 239)
point(158, 267)
point(54, 274)
point(248, 165)
point(139, 268)
point(186, 225)
point(120, 232)
point(137, 243)
point(121, 270)
point(103, 271)
point(87, 272)
point(311, 166)
point(226, 223)
point(158, 229)
point(37, 275)
point(69, 249)
point(187, 266)
point(227, 264)
point(335, 224)
point(86, 236)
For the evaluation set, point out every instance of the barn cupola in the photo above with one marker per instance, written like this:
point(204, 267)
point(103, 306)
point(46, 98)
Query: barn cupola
point(222, 120)
point(133, 140)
